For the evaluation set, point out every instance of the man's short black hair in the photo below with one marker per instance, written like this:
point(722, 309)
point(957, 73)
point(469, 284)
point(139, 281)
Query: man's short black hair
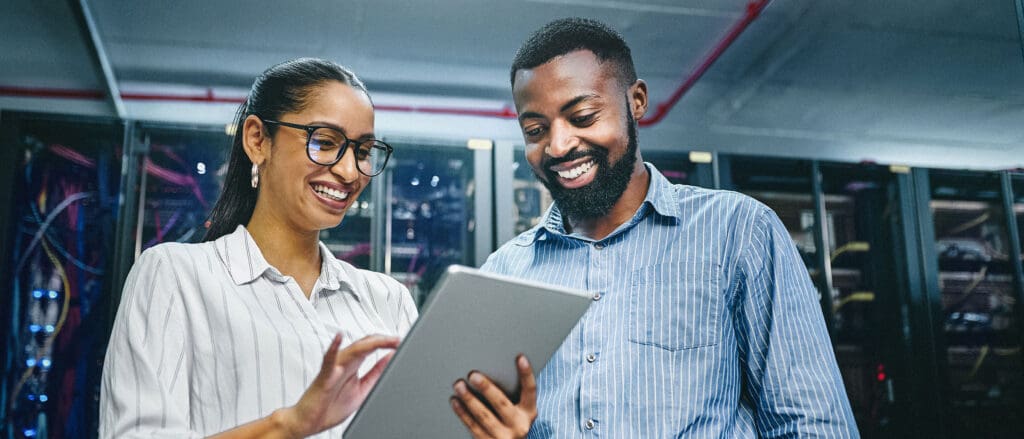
point(567, 35)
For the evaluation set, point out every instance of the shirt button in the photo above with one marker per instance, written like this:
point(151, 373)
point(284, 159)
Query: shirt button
point(589, 424)
point(599, 246)
point(591, 358)
point(597, 296)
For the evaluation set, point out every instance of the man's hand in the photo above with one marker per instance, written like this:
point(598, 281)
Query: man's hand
point(506, 420)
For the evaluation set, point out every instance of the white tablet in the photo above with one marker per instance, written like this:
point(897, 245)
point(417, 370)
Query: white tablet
point(472, 321)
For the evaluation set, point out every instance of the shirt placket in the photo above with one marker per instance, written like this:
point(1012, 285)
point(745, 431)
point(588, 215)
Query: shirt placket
point(592, 339)
point(307, 307)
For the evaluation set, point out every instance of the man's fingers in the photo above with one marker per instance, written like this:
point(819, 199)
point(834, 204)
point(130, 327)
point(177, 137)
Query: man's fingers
point(476, 409)
point(460, 410)
point(495, 397)
point(527, 384)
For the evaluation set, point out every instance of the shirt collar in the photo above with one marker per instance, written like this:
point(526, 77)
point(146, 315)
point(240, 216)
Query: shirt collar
point(661, 196)
point(245, 261)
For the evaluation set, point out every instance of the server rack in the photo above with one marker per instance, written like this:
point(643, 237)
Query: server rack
point(435, 209)
point(867, 329)
point(184, 168)
point(976, 305)
point(63, 205)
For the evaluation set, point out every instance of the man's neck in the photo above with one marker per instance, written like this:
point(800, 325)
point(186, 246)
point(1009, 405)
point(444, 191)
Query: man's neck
point(623, 209)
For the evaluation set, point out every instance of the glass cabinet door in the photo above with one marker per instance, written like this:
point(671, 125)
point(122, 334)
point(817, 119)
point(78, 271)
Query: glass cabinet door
point(982, 336)
point(866, 299)
point(184, 173)
point(432, 192)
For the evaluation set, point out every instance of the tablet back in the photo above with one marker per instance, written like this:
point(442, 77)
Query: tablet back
point(473, 321)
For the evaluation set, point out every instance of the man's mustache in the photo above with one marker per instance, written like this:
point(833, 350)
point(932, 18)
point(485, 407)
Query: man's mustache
point(576, 154)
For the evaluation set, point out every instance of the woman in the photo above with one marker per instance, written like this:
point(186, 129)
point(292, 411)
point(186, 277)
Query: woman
point(223, 337)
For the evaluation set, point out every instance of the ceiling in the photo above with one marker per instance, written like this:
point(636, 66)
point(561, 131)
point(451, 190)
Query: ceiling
point(937, 83)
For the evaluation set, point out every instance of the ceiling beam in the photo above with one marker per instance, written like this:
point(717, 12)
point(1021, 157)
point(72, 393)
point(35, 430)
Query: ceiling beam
point(90, 33)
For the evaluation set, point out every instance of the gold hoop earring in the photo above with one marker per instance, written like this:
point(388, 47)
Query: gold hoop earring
point(255, 176)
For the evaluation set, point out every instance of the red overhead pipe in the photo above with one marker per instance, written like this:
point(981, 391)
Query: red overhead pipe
point(753, 10)
point(41, 92)
point(505, 112)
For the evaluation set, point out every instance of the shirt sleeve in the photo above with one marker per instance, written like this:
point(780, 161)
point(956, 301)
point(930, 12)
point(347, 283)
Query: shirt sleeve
point(789, 369)
point(145, 386)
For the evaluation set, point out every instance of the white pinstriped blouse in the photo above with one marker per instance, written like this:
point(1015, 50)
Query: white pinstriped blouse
point(210, 336)
point(707, 325)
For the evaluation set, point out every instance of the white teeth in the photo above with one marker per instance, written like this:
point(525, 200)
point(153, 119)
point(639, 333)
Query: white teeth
point(573, 173)
point(330, 193)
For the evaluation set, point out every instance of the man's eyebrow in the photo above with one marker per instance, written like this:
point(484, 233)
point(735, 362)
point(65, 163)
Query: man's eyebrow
point(530, 115)
point(576, 100)
point(568, 105)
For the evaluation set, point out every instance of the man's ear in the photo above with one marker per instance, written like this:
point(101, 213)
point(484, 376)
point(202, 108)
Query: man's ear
point(255, 140)
point(637, 95)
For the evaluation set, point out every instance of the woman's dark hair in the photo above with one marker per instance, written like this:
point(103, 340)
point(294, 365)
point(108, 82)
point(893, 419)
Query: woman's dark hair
point(283, 88)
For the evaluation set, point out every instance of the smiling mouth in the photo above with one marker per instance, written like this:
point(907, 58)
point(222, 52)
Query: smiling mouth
point(574, 173)
point(329, 193)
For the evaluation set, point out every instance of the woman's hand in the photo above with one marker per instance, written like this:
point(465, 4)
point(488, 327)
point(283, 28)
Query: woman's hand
point(506, 420)
point(337, 391)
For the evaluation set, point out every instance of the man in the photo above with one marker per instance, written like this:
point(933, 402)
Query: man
point(705, 322)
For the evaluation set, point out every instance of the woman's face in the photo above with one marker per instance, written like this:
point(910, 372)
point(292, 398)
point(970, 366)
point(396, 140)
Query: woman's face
point(306, 195)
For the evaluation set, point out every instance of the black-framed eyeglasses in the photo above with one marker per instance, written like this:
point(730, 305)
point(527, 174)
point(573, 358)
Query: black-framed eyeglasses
point(326, 146)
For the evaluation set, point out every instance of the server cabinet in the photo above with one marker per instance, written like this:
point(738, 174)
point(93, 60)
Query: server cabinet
point(862, 203)
point(184, 169)
point(436, 210)
point(976, 304)
point(59, 212)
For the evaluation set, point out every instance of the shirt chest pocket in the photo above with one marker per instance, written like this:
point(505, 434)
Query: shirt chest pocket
point(676, 306)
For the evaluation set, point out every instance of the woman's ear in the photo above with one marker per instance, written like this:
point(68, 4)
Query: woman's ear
point(638, 99)
point(255, 140)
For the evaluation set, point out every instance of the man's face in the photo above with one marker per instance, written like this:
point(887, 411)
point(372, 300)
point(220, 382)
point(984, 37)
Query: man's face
point(579, 130)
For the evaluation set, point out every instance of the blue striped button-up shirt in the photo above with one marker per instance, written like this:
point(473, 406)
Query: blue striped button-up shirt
point(706, 324)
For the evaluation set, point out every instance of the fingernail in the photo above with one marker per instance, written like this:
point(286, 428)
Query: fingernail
point(523, 362)
point(476, 378)
point(459, 387)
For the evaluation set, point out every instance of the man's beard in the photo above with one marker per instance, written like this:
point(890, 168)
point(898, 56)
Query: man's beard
point(597, 198)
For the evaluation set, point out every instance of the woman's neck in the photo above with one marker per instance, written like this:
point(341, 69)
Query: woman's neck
point(293, 252)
